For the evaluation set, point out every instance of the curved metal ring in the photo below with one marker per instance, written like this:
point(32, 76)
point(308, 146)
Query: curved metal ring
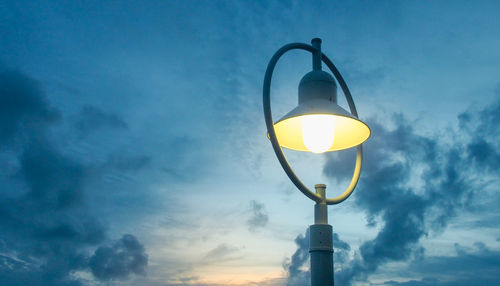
point(272, 133)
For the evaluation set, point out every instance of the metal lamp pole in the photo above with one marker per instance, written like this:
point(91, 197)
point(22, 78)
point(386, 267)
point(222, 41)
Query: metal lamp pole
point(321, 246)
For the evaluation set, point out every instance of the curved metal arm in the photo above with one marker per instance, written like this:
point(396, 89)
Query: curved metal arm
point(359, 151)
point(272, 133)
point(354, 180)
point(269, 118)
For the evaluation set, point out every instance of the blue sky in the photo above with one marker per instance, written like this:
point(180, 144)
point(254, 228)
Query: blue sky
point(133, 147)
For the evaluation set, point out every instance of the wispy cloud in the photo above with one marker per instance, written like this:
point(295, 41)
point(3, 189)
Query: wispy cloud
point(259, 217)
point(460, 269)
point(223, 252)
point(92, 119)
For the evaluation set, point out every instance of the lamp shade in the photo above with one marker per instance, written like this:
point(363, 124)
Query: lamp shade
point(318, 124)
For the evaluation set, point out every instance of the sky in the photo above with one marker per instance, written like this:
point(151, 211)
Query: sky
point(133, 147)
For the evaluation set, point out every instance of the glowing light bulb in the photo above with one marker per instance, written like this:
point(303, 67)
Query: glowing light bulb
point(318, 132)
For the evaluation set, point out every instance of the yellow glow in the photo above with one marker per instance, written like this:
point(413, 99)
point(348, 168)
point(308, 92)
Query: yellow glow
point(318, 132)
point(349, 132)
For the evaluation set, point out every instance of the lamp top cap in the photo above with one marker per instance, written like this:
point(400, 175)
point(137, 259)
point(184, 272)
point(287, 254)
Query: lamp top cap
point(318, 40)
point(317, 75)
point(317, 84)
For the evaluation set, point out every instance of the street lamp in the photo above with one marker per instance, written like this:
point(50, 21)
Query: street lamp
point(316, 125)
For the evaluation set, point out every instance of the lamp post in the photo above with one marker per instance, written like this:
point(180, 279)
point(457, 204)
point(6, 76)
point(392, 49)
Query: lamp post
point(316, 125)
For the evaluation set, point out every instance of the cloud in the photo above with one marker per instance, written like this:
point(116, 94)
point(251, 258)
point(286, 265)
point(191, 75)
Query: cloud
point(46, 229)
point(220, 253)
point(54, 180)
point(387, 193)
point(125, 257)
point(482, 127)
point(92, 118)
point(41, 217)
point(298, 274)
point(466, 263)
point(24, 110)
point(259, 216)
point(413, 185)
point(460, 269)
point(483, 154)
point(341, 253)
point(384, 192)
point(131, 163)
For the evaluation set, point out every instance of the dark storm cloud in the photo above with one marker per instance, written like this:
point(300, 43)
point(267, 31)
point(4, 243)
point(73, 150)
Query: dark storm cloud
point(52, 179)
point(390, 157)
point(125, 257)
point(259, 217)
point(484, 154)
point(42, 220)
point(24, 111)
point(92, 118)
point(413, 185)
point(45, 227)
point(484, 128)
point(408, 210)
